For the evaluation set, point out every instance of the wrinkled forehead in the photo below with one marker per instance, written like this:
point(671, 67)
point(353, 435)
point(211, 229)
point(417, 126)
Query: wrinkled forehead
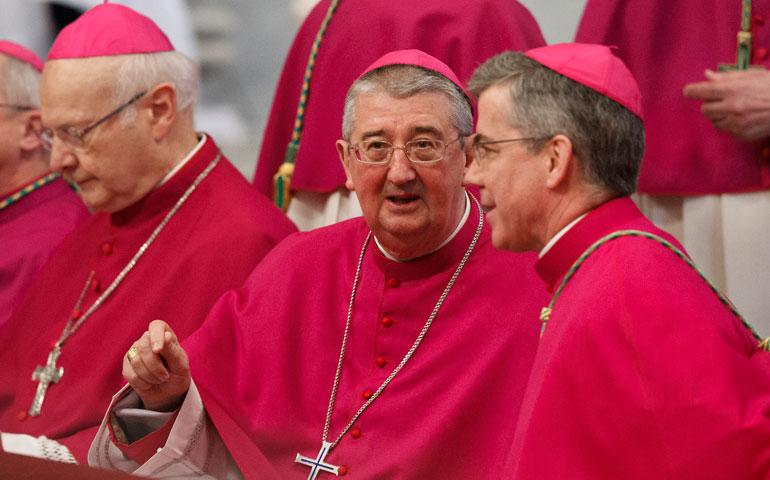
point(87, 79)
point(383, 114)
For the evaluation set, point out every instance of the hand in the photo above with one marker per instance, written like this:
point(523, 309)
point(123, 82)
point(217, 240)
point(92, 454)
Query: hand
point(160, 372)
point(737, 102)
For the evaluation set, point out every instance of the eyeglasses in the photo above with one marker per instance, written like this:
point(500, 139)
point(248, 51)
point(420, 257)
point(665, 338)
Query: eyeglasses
point(73, 136)
point(480, 151)
point(378, 152)
point(17, 107)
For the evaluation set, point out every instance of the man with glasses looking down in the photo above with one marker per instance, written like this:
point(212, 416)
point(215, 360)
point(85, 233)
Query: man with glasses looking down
point(643, 369)
point(37, 208)
point(175, 227)
point(380, 347)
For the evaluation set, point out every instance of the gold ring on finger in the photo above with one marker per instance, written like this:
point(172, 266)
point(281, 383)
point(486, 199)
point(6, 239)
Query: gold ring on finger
point(132, 352)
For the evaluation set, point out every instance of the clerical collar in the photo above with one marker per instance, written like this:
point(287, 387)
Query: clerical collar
point(184, 161)
point(449, 238)
point(561, 233)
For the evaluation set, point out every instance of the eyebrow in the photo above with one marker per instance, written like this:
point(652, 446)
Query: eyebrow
point(414, 131)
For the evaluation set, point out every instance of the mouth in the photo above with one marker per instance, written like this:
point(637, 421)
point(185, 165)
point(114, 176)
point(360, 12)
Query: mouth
point(403, 199)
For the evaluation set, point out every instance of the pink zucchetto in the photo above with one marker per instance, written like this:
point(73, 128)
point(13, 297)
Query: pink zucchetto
point(109, 29)
point(420, 59)
point(594, 66)
point(24, 54)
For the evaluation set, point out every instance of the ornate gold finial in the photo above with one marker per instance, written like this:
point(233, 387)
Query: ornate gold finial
point(281, 183)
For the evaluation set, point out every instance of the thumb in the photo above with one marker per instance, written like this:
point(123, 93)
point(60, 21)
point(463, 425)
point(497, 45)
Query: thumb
point(174, 355)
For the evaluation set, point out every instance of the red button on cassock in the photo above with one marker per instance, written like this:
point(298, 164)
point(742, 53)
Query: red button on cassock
point(75, 314)
point(393, 282)
point(367, 394)
point(22, 416)
point(342, 470)
point(387, 321)
point(355, 433)
point(106, 248)
point(380, 362)
point(761, 53)
point(758, 20)
point(95, 285)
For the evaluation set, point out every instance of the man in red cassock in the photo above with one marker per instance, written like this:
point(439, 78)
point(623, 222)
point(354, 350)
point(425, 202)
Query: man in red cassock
point(37, 208)
point(176, 226)
point(643, 370)
point(353, 37)
point(380, 347)
point(706, 171)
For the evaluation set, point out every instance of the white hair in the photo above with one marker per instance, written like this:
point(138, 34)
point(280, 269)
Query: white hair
point(20, 83)
point(140, 72)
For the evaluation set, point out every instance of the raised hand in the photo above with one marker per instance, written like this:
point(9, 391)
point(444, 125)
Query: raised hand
point(157, 367)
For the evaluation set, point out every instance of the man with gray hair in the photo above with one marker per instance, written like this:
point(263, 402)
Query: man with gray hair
point(382, 346)
point(643, 369)
point(175, 227)
point(37, 208)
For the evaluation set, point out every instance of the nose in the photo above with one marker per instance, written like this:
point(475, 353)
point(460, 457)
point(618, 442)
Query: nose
point(62, 158)
point(400, 170)
point(473, 175)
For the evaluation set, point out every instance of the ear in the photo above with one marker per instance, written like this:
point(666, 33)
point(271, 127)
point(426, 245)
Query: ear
point(32, 126)
point(162, 110)
point(468, 152)
point(559, 160)
point(346, 158)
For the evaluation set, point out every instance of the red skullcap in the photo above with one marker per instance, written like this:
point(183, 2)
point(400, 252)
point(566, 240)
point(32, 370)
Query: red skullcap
point(109, 29)
point(420, 59)
point(594, 66)
point(24, 54)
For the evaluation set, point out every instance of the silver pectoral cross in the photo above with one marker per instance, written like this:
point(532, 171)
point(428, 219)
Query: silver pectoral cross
point(45, 376)
point(317, 465)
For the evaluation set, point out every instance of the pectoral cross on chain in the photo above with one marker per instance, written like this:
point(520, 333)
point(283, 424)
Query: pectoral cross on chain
point(743, 57)
point(45, 376)
point(317, 465)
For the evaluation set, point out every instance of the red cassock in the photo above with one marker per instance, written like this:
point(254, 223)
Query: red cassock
point(666, 45)
point(458, 34)
point(641, 372)
point(265, 359)
point(210, 246)
point(30, 229)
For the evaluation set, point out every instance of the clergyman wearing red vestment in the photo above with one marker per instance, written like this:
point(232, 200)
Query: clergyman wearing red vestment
point(379, 347)
point(176, 227)
point(643, 369)
point(37, 208)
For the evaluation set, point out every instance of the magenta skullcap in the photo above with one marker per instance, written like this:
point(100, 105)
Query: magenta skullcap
point(420, 59)
point(22, 53)
point(594, 66)
point(109, 29)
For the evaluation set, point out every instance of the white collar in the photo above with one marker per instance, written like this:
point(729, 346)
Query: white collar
point(449, 238)
point(561, 233)
point(184, 161)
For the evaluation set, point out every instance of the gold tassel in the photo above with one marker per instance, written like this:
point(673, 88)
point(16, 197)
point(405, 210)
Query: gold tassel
point(545, 314)
point(282, 179)
point(765, 344)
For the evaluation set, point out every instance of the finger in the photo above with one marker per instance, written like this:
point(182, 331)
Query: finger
point(703, 91)
point(148, 365)
point(157, 331)
point(133, 379)
point(714, 110)
point(175, 356)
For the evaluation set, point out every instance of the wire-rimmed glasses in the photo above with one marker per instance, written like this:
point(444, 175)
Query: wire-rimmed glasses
point(421, 150)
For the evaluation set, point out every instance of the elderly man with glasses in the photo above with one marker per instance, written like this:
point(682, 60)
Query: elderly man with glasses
point(37, 208)
point(175, 227)
point(643, 369)
point(379, 347)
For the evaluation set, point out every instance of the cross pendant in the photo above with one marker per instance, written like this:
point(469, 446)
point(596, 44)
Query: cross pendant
point(317, 465)
point(45, 376)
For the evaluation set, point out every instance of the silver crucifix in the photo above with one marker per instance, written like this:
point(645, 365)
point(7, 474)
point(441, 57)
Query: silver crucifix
point(317, 465)
point(45, 376)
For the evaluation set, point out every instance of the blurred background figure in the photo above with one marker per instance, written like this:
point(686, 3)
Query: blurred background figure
point(705, 178)
point(352, 34)
point(37, 208)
